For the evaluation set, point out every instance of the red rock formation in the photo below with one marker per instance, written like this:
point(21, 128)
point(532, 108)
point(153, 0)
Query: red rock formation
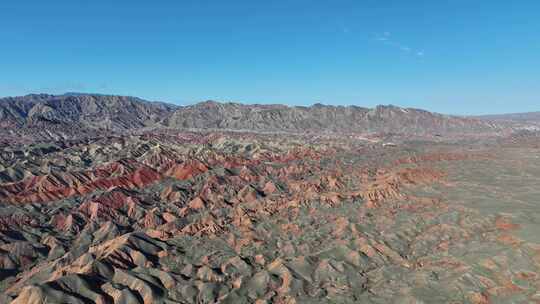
point(107, 205)
point(186, 170)
point(125, 173)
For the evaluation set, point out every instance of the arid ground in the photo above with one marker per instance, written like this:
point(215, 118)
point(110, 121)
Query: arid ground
point(240, 217)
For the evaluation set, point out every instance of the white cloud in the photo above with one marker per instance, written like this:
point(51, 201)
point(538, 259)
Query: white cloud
point(386, 39)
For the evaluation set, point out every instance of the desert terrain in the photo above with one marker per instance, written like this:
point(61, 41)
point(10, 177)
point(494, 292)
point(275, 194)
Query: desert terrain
point(107, 199)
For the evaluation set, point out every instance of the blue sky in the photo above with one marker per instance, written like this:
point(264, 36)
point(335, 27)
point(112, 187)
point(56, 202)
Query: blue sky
point(460, 56)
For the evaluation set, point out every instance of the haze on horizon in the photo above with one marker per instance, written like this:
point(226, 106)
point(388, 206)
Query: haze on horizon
point(456, 58)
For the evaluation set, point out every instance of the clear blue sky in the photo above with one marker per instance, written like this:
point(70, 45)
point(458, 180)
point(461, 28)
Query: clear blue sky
point(460, 56)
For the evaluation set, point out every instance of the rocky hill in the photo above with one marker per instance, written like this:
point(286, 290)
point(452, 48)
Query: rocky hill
point(93, 111)
point(48, 117)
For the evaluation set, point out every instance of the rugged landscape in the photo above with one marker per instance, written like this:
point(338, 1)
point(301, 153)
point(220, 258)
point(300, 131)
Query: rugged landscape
point(111, 199)
point(73, 116)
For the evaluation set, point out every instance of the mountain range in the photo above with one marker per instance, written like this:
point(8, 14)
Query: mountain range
point(69, 115)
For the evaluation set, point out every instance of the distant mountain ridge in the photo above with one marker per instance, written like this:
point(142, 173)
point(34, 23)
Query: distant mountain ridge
point(75, 112)
point(531, 117)
point(320, 117)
